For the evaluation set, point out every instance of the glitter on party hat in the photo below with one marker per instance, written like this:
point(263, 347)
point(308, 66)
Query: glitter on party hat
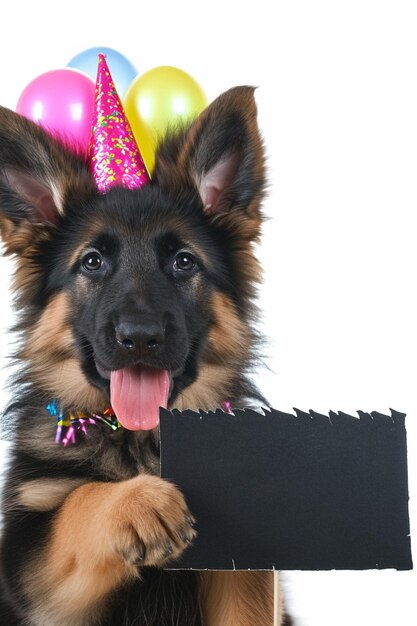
point(113, 153)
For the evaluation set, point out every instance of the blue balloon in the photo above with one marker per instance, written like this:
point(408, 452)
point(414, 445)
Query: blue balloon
point(121, 69)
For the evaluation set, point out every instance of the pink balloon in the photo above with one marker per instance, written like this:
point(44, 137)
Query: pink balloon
point(62, 102)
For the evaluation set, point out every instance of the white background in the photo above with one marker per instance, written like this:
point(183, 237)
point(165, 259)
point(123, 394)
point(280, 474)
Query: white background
point(338, 109)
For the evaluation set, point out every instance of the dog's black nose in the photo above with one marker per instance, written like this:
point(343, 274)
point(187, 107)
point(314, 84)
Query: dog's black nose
point(140, 336)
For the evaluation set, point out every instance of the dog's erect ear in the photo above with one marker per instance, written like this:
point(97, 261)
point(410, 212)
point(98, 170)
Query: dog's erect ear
point(38, 178)
point(222, 155)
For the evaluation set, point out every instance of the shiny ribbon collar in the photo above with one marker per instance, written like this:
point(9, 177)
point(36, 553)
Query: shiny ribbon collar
point(72, 427)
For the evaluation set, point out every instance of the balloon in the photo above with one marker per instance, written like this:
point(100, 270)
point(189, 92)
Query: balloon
point(157, 99)
point(61, 101)
point(122, 70)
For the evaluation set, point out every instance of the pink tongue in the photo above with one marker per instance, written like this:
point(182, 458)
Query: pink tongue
point(136, 395)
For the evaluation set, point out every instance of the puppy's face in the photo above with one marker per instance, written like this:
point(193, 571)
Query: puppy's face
point(139, 270)
point(133, 293)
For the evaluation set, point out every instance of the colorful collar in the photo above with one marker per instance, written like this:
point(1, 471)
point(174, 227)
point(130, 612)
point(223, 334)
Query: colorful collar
point(72, 427)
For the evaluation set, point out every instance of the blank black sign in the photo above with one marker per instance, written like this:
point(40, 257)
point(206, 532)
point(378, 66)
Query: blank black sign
point(304, 491)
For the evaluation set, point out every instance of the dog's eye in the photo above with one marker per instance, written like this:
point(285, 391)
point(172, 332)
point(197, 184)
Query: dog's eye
point(92, 262)
point(184, 262)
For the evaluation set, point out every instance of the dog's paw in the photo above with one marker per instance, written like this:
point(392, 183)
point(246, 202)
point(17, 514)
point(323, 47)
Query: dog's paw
point(151, 522)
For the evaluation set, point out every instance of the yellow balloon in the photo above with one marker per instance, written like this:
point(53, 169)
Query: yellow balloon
point(157, 99)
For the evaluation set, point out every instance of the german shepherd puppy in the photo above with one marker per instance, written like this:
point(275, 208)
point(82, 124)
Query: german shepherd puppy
point(134, 299)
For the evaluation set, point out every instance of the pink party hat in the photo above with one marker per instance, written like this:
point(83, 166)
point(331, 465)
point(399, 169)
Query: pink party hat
point(113, 152)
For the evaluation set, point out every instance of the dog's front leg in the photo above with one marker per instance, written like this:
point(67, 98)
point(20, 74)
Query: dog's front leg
point(238, 598)
point(100, 537)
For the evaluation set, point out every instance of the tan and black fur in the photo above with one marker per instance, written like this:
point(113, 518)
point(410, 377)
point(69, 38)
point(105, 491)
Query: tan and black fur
point(88, 528)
